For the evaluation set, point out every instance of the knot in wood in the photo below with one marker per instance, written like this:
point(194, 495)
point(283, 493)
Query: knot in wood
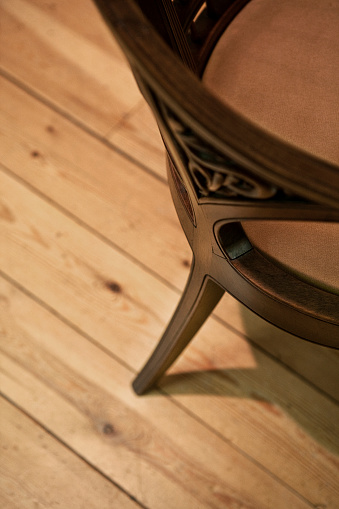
point(108, 429)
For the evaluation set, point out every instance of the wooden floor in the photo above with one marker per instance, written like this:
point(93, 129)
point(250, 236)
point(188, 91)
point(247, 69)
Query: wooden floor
point(92, 263)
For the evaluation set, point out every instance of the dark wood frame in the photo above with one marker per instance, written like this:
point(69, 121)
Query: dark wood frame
point(222, 170)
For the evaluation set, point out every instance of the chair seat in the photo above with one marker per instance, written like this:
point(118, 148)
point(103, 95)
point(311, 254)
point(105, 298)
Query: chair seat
point(277, 65)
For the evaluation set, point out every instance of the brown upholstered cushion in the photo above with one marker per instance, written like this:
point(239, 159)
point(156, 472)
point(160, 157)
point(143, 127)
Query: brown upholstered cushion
point(277, 64)
point(310, 250)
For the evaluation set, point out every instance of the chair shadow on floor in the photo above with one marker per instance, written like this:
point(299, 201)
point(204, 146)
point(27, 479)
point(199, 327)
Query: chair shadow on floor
point(283, 375)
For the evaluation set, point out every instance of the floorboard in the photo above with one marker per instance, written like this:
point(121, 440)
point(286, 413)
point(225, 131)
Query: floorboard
point(92, 264)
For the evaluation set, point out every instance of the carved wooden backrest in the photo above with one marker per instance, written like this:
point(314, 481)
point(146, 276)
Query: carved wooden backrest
point(225, 155)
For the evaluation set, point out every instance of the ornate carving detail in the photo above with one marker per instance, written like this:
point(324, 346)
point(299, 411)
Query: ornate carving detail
point(213, 173)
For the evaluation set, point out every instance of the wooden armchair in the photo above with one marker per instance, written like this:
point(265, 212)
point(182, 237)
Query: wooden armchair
point(246, 98)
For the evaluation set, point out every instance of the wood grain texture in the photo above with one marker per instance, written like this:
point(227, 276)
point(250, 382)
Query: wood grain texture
point(92, 262)
point(138, 134)
point(71, 168)
point(36, 470)
point(67, 56)
point(150, 446)
point(112, 298)
point(317, 364)
point(97, 279)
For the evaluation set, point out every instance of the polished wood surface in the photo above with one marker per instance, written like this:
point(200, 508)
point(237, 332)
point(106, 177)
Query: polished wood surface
point(248, 417)
point(225, 169)
point(269, 158)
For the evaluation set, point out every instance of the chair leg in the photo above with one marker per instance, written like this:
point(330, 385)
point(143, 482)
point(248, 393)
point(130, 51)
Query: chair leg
point(200, 297)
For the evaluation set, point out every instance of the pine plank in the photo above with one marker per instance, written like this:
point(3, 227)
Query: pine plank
point(38, 471)
point(123, 203)
point(95, 278)
point(138, 134)
point(150, 446)
point(280, 416)
point(316, 363)
point(131, 209)
point(55, 48)
point(256, 417)
point(64, 52)
point(284, 425)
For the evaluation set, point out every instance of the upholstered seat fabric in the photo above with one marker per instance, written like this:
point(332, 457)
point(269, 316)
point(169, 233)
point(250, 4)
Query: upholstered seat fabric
point(277, 64)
